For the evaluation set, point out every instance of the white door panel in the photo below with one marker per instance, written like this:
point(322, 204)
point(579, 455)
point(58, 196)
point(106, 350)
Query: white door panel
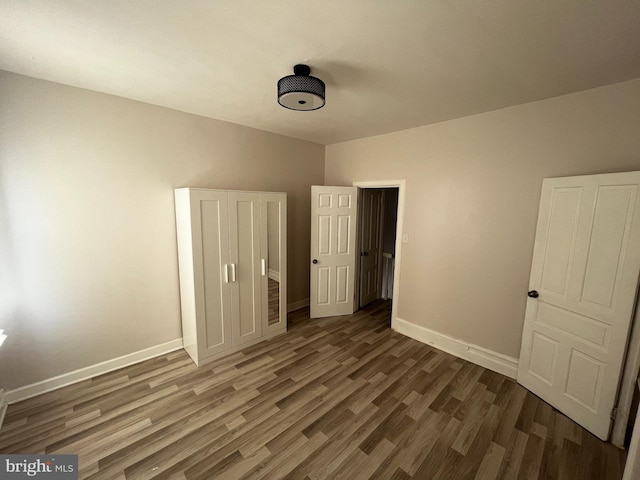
point(585, 269)
point(245, 260)
point(211, 247)
point(215, 291)
point(333, 252)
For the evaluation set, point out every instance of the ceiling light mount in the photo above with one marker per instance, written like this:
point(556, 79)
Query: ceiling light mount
point(301, 91)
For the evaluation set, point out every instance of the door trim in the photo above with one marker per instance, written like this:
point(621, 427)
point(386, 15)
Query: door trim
point(401, 185)
point(628, 382)
point(632, 466)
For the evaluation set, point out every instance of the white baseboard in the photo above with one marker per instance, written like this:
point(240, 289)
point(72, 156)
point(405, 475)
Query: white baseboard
point(486, 358)
point(274, 275)
point(3, 405)
point(297, 305)
point(43, 386)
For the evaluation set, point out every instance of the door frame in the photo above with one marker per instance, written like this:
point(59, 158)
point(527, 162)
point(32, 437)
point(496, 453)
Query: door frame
point(632, 465)
point(401, 185)
point(628, 381)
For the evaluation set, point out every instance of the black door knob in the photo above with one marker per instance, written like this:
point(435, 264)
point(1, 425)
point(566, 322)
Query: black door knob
point(366, 254)
point(314, 261)
point(533, 294)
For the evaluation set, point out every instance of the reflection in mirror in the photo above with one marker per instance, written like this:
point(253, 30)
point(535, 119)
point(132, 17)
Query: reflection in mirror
point(273, 244)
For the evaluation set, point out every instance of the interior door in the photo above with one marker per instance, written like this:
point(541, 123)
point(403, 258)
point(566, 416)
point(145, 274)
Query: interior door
point(245, 266)
point(370, 245)
point(333, 250)
point(583, 286)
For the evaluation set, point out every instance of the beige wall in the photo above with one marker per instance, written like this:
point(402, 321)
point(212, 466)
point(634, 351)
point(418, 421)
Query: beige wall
point(472, 193)
point(88, 265)
point(87, 235)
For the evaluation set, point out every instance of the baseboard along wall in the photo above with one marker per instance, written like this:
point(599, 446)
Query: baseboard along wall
point(494, 361)
point(274, 275)
point(293, 306)
point(484, 357)
point(49, 384)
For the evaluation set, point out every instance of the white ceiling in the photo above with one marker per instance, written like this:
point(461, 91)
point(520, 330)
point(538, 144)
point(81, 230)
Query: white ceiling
point(388, 64)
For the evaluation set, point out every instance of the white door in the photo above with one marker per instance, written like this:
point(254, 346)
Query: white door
point(333, 250)
point(370, 245)
point(245, 266)
point(584, 277)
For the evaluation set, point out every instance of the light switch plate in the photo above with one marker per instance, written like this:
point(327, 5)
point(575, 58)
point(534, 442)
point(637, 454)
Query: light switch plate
point(405, 238)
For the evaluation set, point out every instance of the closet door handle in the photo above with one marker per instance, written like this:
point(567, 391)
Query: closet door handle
point(226, 273)
point(233, 272)
point(263, 264)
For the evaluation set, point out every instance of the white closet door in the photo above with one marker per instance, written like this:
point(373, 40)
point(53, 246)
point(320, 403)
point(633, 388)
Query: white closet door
point(211, 245)
point(245, 267)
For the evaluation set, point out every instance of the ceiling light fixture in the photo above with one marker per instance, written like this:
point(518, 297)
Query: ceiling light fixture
point(301, 91)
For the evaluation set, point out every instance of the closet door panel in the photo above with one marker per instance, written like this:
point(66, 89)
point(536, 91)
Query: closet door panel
point(244, 254)
point(216, 334)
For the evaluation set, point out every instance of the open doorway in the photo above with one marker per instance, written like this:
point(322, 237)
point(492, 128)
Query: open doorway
point(335, 248)
point(400, 236)
point(377, 227)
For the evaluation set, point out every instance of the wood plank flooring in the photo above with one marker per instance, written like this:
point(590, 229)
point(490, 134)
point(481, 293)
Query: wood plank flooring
point(273, 301)
point(342, 397)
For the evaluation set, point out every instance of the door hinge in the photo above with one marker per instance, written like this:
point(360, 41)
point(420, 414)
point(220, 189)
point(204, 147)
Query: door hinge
point(614, 413)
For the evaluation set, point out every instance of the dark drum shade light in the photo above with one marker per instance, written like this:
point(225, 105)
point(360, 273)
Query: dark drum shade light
point(301, 91)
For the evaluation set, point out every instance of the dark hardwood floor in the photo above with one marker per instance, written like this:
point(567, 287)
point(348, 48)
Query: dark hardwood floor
point(342, 397)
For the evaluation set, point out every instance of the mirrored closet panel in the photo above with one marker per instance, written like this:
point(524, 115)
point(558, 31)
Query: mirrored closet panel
point(274, 215)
